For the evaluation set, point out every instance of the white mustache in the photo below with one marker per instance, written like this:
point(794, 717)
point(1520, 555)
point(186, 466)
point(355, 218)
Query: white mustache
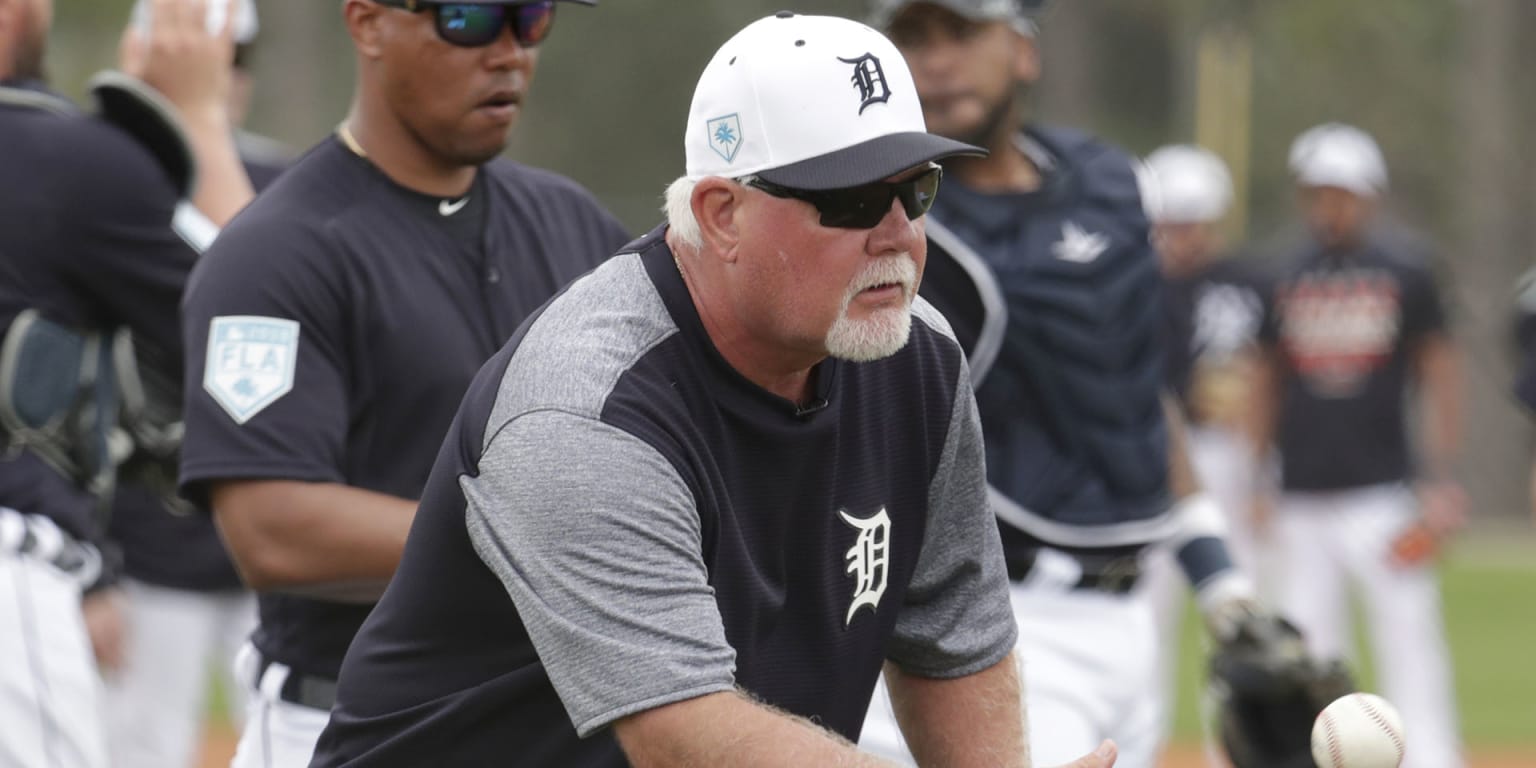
point(899, 269)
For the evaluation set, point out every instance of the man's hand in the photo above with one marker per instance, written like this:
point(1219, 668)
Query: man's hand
point(1442, 512)
point(181, 59)
point(106, 625)
point(1103, 757)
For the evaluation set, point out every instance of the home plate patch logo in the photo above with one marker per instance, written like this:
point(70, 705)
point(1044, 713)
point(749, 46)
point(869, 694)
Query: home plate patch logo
point(250, 362)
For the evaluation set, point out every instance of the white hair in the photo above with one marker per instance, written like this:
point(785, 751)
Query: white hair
point(679, 210)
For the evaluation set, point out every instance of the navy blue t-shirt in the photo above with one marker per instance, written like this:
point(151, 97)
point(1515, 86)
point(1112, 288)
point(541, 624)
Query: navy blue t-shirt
point(1348, 327)
point(335, 324)
point(1075, 433)
point(86, 239)
point(619, 520)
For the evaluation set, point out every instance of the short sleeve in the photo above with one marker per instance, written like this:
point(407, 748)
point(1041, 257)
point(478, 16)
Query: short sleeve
point(957, 619)
point(266, 373)
point(1423, 310)
point(597, 540)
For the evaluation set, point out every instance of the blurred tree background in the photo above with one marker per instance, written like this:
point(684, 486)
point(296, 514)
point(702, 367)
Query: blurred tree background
point(1436, 81)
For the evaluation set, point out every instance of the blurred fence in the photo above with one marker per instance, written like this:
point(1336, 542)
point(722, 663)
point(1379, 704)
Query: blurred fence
point(1441, 84)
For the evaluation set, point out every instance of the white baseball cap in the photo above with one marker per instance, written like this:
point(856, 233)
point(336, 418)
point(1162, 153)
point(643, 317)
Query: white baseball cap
point(1185, 183)
point(1016, 12)
point(809, 102)
point(1339, 155)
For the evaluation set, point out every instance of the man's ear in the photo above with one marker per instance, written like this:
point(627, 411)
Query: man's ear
point(716, 205)
point(1026, 60)
point(364, 21)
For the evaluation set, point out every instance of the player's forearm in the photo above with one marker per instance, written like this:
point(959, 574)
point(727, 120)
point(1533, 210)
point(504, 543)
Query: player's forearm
point(728, 728)
point(976, 720)
point(1182, 481)
point(1440, 373)
point(223, 187)
point(1264, 408)
point(322, 540)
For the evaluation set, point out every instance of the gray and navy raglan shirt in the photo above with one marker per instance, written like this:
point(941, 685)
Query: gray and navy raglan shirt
point(619, 520)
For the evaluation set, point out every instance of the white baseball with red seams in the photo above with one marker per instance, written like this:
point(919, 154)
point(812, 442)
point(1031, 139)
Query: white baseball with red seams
point(1360, 730)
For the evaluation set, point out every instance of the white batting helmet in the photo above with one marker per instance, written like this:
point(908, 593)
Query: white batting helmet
point(1339, 155)
point(1185, 183)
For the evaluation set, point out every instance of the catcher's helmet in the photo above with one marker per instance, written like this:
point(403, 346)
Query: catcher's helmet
point(1267, 692)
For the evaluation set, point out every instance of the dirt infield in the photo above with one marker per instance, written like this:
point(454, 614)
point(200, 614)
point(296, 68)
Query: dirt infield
point(219, 747)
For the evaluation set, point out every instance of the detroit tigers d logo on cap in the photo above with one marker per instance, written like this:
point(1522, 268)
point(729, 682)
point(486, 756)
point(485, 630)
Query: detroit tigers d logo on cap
point(869, 79)
point(809, 103)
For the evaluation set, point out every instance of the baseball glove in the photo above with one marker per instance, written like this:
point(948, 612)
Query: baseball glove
point(1267, 691)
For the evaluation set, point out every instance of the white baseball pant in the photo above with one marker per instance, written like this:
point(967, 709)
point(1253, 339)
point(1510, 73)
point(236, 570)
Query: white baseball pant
point(277, 733)
point(1331, 541)
point(50, 692)
point(176, 641)
point(1089, 664)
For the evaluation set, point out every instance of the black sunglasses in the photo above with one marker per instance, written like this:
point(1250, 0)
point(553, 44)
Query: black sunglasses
point(864, 206)
point(472, 25)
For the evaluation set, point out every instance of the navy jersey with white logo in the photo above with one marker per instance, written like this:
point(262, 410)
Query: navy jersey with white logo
point(1212, 318)
point(335, 324)
point(619, 520)
point(1057, 296)
point(1347, 327)
point(86, 240)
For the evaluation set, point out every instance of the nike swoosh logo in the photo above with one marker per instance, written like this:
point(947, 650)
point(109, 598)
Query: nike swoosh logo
point(449, 208)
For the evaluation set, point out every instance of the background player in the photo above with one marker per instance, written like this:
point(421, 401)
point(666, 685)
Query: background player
point(1213, 312)
point(87, 252)
point(333, 328)
point(1354, 325)
point(1040, 257)
point(186, 612)
point(707, 491)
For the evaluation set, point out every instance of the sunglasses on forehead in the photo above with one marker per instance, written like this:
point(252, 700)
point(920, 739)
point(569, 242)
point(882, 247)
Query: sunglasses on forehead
point(864, 206)
point(472, 25)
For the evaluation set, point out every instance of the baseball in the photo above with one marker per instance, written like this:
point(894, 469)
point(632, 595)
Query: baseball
point(1360, 730)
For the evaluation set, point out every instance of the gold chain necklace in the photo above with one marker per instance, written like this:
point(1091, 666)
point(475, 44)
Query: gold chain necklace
point(351, 141)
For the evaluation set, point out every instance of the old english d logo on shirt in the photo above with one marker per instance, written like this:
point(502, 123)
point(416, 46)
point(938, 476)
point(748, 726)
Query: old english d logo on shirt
point(250, 362)
point(868, 560)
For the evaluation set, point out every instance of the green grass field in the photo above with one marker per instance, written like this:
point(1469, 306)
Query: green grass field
point(1488, 588)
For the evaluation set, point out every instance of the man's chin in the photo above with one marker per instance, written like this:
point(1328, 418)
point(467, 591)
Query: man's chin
point(878, 336)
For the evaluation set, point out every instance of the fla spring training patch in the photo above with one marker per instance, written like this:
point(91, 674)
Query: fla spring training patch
point(250, 362)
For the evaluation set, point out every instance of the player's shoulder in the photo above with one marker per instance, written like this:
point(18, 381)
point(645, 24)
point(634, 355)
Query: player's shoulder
point(1401, 247)
point(86, 156)
point(932, 321)
point(287, 229)
point(536, 183)
point(1096, 169)
point(572, 353)
point(320, 187)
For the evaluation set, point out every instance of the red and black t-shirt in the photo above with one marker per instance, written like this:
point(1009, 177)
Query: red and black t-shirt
point(1347, 327)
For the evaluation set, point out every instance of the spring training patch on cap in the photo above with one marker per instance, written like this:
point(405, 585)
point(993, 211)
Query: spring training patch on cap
point(725, 135)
